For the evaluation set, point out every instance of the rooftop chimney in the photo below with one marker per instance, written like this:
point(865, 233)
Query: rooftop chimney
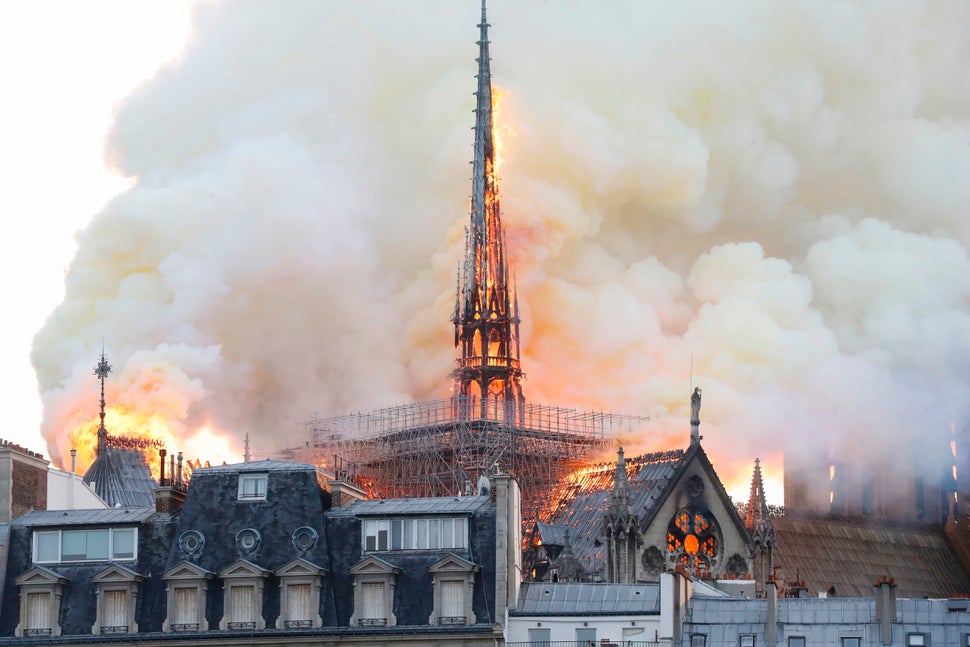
point(885, 608)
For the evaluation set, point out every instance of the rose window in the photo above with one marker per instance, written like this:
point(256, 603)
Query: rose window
point(693, 540)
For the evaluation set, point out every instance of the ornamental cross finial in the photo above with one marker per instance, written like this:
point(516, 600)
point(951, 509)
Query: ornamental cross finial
point(101, 371)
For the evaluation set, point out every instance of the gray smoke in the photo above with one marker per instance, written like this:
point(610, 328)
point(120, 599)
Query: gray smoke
point(768, 201)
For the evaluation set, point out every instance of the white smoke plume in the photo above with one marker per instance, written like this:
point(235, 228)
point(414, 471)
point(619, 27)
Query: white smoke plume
point(769, 200)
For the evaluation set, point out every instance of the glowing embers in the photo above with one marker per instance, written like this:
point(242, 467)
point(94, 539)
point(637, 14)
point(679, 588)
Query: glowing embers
point(694, 540)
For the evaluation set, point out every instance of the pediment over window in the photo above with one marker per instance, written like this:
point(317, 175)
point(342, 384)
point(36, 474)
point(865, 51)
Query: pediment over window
point(116, 573)
point(187, 571)
point(299, 568)
point(40, 576)
point(243, 568)
point(452, 563)
point(371, 565)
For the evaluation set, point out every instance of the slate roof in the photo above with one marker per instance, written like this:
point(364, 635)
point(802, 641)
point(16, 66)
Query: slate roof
point(586, 499)
point(850, 554)
point(572, 598)
point(96, 517)
point(431, 505)
point(120, 476)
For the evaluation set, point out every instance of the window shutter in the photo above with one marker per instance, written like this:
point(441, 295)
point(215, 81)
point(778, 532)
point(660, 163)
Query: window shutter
point(373, 606)
point(452, 599)
point(298, 601)
point(115, 611)
point(186, 606)
point(242, 604)
point(38, 611)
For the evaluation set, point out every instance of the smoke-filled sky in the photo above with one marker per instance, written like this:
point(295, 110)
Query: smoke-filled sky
point(768, 201)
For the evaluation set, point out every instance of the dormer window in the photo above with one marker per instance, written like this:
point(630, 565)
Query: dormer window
point(374, 581)
point(443, 533)
point(252, 487)
point(87, 545)
point(117, 598)
point(243, 584)
point(40, 602)
point(454, 583)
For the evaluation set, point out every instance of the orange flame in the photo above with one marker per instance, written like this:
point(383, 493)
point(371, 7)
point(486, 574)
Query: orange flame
point(500, 131)
point(121, 421)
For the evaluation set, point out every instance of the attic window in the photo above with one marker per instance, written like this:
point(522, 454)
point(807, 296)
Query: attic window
point(252, 487)
point(916, 640)
point(89, 545)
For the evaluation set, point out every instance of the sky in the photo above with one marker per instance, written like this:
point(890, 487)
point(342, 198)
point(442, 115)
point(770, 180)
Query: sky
point(764, 200)
point(65, 66)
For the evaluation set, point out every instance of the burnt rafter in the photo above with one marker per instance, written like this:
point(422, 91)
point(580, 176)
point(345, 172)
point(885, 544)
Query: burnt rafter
point(486, 314)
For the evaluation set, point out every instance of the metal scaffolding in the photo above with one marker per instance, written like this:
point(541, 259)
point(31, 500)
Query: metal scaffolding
point(442, 447)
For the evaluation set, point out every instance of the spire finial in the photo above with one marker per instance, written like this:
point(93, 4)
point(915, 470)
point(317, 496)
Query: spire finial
point(101, 371)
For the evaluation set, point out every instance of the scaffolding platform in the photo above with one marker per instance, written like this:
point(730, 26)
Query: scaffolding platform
point(442, 447)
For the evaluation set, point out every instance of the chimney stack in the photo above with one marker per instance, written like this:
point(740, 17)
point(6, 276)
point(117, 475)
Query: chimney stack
point(771, 619)
point(885, 608)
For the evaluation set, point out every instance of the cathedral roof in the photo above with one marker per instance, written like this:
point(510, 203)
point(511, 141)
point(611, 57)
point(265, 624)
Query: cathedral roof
point(586, 499)
point(848, 555)
point(121, 477)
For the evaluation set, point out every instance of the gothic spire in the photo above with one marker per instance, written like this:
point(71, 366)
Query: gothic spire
point(486, 311)
point(620, 499)
point(757, 514)
point(101, 371)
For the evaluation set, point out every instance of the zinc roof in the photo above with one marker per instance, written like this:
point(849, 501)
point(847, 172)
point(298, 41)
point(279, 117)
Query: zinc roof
point(572, 598)
point(268, 465)
point(428, 505)
point(99, 516)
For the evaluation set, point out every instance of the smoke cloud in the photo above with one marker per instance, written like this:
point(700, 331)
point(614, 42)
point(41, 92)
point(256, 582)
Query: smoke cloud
point(766, 201)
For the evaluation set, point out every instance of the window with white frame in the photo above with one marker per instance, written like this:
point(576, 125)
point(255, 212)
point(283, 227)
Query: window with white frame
point(300, 583)
point(372, 607)
point(374, 581)
point(243, 596)
point(453, 586)
point(186, 613)
point(252, 487)
point(40, 602)
point(39, 618)
point(85, 545)
point(299, 610)
point(116, 589)
point(187, 585)
point(242, 613)
point(916, 640)
point(434, 533)
point(585, 636)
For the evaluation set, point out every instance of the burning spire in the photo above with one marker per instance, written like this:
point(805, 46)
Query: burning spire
point(101, 371)
point(486, 314)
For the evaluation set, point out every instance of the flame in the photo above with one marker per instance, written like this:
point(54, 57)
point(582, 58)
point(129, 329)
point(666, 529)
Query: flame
point(121, 421)
point(500, 131)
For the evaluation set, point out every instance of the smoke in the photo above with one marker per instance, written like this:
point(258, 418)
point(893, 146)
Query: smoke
point(767, 201)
